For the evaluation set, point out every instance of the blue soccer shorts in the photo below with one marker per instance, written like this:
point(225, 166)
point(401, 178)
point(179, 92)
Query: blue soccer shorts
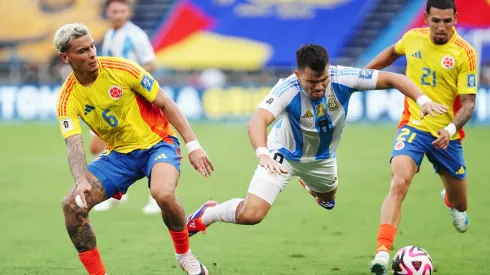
point(118, 171)
point(415, 143)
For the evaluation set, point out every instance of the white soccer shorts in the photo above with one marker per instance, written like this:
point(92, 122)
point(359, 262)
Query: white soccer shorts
point(320, 176)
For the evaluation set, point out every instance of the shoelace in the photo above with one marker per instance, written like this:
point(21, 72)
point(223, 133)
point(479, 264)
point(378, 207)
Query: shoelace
point(190, 263)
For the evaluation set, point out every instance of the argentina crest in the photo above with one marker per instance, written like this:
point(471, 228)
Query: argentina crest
point(333, 104)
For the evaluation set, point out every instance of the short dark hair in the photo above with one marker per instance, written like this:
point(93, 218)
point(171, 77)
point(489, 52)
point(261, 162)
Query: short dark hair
point(108, 2)
point(440, 4)
point(313, 56)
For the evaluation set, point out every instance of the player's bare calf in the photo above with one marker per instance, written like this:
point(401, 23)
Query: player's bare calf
point(76, 217)
point(250, 211)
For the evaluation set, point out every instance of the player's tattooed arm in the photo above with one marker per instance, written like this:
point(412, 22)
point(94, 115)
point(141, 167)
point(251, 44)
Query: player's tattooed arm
point(466, 112)
point(76, 155)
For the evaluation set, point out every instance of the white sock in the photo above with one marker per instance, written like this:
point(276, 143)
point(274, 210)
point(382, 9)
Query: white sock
point(225, 212)
point(383, 255)
point(152, 200)
point(180, 256)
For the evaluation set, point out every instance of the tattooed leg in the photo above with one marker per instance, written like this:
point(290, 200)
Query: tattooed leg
point(76, 218)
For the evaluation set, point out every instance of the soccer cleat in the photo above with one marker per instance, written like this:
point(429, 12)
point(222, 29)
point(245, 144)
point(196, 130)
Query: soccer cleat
point(379, 265)
point(107, 204)
point(151, 207)
point(191, 265)
point(104, 206)
point(194, 222)
point(329, 205)
point(460, 219)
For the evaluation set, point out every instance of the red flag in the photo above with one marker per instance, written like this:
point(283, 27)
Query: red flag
point(185, 19)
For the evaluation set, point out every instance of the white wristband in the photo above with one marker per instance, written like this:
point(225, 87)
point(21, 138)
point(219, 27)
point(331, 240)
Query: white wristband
point(451, 128)
point(192, 146)
point(421, 100)
point(261, 151)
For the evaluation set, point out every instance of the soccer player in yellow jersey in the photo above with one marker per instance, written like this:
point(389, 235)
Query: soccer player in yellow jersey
point(125, 106)
point(443, 65)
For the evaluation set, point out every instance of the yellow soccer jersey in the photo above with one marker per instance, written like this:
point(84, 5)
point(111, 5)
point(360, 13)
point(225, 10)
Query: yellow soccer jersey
point(442, 72)
point(117, 107)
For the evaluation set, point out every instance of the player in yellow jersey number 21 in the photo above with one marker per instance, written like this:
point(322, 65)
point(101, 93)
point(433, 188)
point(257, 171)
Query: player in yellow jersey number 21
point(443, 66)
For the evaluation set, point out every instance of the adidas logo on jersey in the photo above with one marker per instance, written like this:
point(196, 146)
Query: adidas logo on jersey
point(88, 109)
point(417, 55)
point(460, 171)
point(308, 114)
point(161, 156)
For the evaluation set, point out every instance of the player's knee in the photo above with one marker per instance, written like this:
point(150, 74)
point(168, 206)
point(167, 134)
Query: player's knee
point(164, 197)
point(399, 186)
point(68, 204)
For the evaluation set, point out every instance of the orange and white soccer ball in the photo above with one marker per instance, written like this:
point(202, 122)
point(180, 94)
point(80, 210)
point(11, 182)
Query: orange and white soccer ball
point(412, 260)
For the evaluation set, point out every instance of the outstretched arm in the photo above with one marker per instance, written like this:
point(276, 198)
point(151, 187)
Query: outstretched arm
point(197, 156)
point(383, 59)
point(388, 80)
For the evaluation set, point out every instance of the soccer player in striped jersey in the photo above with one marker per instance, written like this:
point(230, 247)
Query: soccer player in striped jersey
point(310, 108)
point(129, 41)
point(125, 106)
point(443, 66)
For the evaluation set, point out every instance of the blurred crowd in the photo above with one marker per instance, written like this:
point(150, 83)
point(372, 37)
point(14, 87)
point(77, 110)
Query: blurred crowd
point(15, 70)
point(55, 72)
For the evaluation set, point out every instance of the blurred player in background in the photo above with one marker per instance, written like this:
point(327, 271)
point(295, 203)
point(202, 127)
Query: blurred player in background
point(310, 107)
point(443, 66)
point(125, 106)
point(129, 41)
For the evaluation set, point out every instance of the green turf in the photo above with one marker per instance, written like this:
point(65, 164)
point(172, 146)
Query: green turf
point(297, 237)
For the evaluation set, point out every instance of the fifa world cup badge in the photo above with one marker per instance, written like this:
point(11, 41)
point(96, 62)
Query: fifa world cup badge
point(321, 110)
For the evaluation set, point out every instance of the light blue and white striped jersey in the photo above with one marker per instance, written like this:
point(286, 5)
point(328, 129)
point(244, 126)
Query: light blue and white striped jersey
point(129, 42)
point(307, 129)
